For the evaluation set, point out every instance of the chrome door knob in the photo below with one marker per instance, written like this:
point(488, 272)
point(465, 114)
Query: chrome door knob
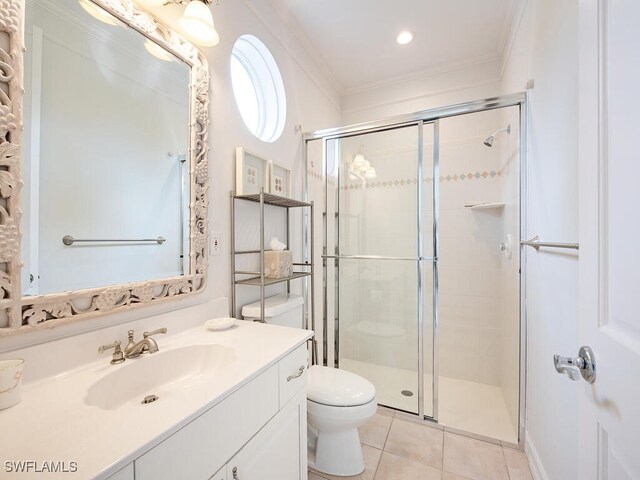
point(584, 365)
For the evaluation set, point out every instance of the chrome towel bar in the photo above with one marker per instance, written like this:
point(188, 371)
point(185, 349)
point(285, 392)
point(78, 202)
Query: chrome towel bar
point(69, 240)
point(537, 244)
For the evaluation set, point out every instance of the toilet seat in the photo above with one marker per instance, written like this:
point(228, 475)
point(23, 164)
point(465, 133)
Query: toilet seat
point(338, 388)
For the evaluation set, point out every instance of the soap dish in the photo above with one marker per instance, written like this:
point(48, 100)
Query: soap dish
point(217, 324)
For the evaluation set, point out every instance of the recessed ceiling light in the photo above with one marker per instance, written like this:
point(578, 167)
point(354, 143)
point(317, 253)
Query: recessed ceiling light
point(405, 37)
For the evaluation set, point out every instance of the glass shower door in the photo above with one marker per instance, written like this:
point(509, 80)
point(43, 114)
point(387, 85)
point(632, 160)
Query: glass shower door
point(379, 250)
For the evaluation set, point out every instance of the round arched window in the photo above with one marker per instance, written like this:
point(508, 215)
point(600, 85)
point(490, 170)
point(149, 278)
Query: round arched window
point(258, 88)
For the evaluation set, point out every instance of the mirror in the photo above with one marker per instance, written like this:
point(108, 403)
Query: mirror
point(106, 114)
point(113, 161)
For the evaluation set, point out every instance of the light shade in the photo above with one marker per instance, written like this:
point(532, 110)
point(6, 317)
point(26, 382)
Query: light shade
point(97, 12)
point(197, 24)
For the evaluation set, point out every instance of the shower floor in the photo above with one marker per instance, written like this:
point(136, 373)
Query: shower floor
point(469, 406)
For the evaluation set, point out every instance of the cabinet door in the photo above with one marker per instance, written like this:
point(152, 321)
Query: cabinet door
point(204, 445)
point(276, 452)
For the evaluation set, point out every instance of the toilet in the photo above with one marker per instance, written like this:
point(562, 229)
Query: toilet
point(338, 401)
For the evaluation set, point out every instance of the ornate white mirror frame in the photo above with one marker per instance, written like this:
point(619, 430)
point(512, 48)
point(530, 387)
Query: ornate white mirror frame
point(26, 314)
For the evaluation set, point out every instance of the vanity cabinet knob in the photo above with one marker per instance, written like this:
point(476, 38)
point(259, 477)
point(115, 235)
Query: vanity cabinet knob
point(235, 473)
point(297, 375)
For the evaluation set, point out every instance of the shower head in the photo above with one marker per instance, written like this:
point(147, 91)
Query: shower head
point(489, 141)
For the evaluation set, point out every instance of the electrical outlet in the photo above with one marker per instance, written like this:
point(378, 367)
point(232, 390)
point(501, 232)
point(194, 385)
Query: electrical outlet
point(216, 243)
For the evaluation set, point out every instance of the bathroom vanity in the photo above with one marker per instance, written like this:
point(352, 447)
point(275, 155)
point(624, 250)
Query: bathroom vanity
point(230, 405)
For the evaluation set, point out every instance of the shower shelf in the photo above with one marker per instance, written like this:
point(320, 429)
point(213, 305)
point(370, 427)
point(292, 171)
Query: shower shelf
point(484, 206)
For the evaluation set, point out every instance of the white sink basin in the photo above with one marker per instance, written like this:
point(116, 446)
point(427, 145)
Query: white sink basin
point(164, 374)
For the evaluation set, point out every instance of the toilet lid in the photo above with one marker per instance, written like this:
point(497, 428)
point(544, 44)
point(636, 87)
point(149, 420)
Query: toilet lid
point(338, 388)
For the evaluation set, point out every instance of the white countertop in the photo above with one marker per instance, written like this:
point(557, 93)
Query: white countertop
point(52, 423)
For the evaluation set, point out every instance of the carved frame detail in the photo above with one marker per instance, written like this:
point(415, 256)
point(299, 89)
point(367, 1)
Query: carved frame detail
point(25, 314)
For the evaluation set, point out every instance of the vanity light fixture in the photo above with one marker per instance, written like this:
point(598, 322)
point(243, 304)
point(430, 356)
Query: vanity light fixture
point(405, 37)
point(97, 12)
point(196, 22)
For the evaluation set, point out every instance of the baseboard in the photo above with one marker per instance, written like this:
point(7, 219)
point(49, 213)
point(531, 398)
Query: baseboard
point(535, 465)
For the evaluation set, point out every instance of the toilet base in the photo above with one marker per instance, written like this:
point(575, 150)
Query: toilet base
point(336, 453)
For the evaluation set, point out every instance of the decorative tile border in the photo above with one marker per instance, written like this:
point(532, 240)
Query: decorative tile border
point(407, 182)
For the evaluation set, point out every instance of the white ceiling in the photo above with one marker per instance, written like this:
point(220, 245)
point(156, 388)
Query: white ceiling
point(356, 38)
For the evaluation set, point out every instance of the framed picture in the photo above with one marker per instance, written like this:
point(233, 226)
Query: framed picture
point(252, 173)
point(279, 181)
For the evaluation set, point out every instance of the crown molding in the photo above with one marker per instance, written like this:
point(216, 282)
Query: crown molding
point(424, 74)
point(519, 8)
point(289, 19)
point(431, 93)
point(334, 99)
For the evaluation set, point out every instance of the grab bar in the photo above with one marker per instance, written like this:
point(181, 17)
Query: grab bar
point(536, 243)
point(69, 240)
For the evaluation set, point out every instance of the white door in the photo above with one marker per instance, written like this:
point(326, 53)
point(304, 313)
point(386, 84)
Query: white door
point(609, 434)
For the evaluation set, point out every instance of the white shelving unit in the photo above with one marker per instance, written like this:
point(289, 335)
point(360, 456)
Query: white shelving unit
point(259, 279)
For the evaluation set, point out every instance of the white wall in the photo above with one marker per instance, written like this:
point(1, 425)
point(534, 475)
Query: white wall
point(546, 50)
point(311, 103)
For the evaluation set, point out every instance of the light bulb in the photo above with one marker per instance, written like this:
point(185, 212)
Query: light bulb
point(97, 12)
point(197, 24)
point(157, 51)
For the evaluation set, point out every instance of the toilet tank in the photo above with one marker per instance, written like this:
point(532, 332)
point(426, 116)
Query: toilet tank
point(284, 309)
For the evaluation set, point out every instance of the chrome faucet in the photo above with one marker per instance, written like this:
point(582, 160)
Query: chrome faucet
point(146, 345)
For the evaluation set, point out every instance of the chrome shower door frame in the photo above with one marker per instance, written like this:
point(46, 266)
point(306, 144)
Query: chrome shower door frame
point(420, 119)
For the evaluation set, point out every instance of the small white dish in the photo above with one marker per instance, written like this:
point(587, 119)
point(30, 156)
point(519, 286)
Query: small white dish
point(217, 324)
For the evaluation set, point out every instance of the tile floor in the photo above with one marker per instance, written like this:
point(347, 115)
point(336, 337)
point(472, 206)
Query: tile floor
point(398, 449)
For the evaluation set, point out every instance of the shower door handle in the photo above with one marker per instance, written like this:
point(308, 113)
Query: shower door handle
point(584, 365)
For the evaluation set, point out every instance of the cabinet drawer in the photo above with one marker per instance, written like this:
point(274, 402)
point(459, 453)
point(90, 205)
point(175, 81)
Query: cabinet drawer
point(293, 373)
point(203, 446)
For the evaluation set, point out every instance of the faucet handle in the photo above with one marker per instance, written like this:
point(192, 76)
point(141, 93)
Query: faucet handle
point(118, 357)
point(154, 332)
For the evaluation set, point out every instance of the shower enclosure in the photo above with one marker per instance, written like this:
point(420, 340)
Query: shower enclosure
point(421, 282)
